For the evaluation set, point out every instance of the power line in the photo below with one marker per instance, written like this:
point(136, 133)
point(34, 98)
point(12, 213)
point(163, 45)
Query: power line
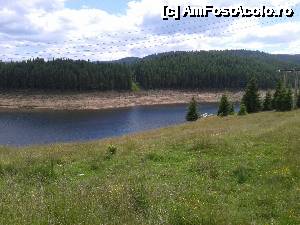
point(154, 45)
point(193, 38)
point(115, 34)
point(41, 44)
point(110, 51)
point(166, 38)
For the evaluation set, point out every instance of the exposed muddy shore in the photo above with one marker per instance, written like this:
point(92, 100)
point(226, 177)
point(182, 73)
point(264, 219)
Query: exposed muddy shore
point(29, 100)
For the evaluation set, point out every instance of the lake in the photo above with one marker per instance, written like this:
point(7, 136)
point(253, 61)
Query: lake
point(31, 128)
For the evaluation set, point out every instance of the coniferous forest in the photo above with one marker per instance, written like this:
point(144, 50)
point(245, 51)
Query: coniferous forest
point(173, 70)
point(64, 75)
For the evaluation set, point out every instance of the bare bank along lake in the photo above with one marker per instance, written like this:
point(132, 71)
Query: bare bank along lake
point(44, 127)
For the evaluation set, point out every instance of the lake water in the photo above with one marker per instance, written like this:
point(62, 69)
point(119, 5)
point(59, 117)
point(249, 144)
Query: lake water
point(31, 128)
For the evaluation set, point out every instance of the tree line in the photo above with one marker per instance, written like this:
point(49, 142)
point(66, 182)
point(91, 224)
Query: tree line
point(63, 75)
point(282, 100)
point(209, 70)
point(173, 70)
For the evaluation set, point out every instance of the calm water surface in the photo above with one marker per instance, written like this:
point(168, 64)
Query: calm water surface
point(30, 128)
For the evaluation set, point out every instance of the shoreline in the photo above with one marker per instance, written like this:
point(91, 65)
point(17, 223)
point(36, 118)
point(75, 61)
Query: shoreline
point(72, 101)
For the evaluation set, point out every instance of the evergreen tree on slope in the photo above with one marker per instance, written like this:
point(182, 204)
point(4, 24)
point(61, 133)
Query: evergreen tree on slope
point(251, 98)
point(224, 107)
point(267, 105)
point(192, 114)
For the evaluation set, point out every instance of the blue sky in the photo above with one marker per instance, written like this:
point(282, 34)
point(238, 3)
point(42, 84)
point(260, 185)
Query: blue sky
point(113, 29)
point(111, 6)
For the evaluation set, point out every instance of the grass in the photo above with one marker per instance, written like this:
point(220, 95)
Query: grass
point(235, 170)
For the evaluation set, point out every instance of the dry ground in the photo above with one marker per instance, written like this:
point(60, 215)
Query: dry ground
point(103, 100)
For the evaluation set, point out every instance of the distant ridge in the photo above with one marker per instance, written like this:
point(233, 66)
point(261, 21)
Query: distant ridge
point(127, 60)
point(289, 58)
point(194, 70)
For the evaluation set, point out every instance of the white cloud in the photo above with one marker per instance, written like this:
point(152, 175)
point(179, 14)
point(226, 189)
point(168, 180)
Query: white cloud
point(40, 28)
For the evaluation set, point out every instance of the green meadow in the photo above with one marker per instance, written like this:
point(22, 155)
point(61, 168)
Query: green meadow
point(234, 170)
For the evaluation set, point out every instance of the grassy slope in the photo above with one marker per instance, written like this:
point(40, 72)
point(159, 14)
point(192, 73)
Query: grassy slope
point(236, 170)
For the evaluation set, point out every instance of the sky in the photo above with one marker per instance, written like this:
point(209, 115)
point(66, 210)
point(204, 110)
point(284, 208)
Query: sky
point(101, 30)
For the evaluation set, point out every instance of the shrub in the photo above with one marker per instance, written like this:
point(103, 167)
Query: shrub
point(242, 174)
point(135, 87)
point(231, 111)
point(111, 150)
point(243, 110)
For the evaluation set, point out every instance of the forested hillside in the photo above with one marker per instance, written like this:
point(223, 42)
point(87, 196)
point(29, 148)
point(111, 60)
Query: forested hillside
point(173, 70)
point(213, 69)
point(64, 75)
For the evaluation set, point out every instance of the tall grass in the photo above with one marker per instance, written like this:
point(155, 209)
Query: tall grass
point(235, 170)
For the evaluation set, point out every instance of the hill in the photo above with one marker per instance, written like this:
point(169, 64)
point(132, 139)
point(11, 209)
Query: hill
point(128, 60)
point(230, 69)
point(235, 170)
point(288, 58)
point(211, 69)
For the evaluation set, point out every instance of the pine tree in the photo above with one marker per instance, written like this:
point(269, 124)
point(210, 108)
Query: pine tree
point(243, 110)
point(283, 98)
point(251, 98)
point(192, 114)
point(295, 99)
point(224, 107)
point(298, 101)
point(231, 111)
point(281, 102)
point(277, 98)
point(267, 105)
point(288, 100)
